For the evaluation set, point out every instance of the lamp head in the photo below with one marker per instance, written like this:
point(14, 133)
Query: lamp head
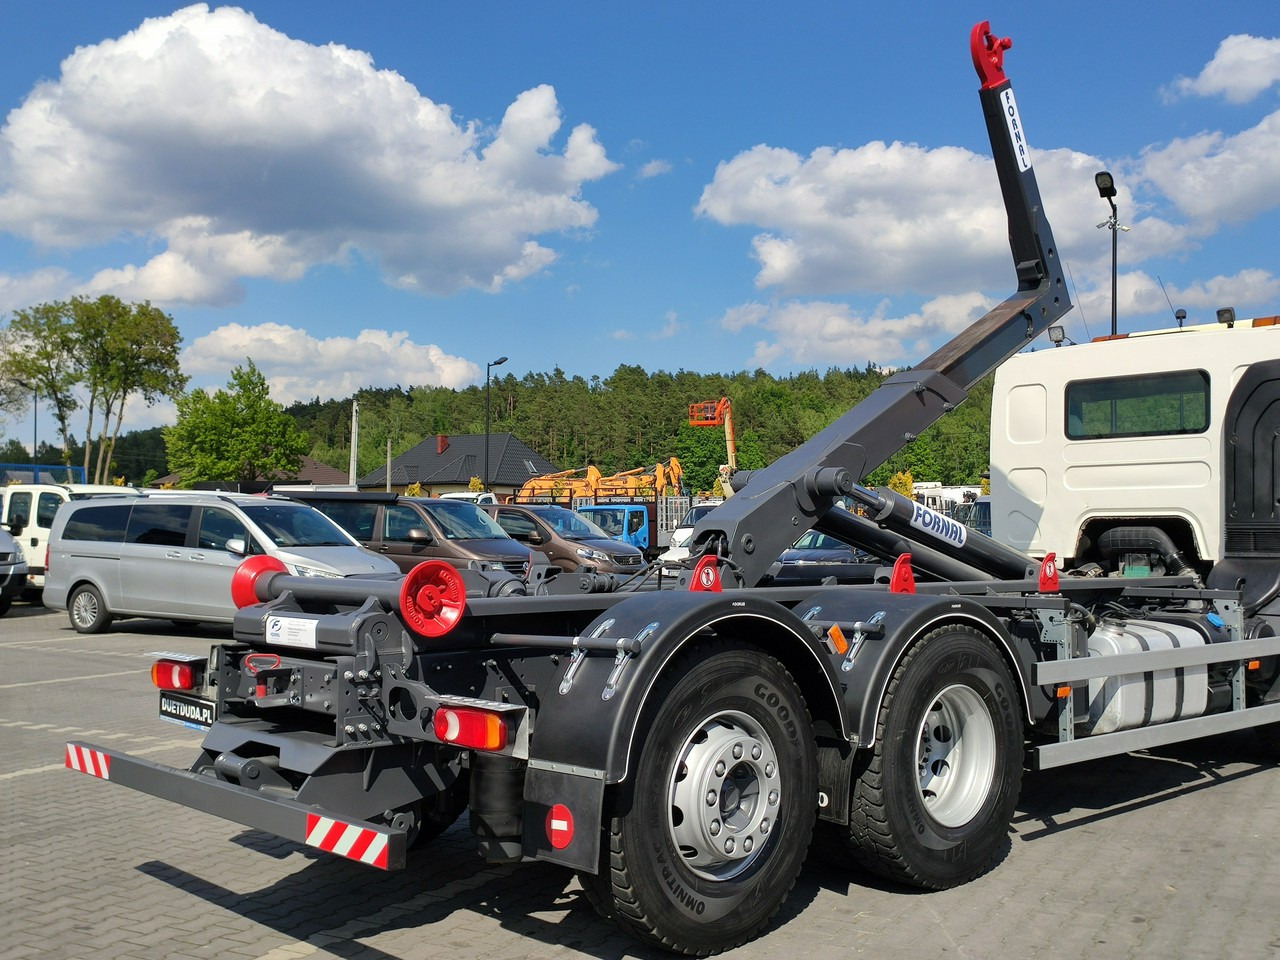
point(1106, 184)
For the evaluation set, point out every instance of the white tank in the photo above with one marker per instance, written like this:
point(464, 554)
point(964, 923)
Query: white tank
point(1138, 699)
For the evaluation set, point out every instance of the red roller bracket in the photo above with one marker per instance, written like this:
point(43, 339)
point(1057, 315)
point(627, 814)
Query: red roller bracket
point(903, 579)
point(433, 598)
point(1049, 574)
point(706, 576)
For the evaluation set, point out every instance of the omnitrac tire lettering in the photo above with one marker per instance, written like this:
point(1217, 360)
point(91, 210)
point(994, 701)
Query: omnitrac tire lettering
point(681, 895)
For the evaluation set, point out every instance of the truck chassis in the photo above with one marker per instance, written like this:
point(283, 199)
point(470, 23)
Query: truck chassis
point(679, 747)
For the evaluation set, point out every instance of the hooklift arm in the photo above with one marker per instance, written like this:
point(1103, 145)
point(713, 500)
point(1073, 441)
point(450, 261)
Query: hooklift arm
point(779, 503)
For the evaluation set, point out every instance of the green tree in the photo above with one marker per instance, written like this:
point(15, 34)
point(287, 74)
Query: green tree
point(92, 355)
point(125, 350)
point(235, 435)
point(38, 351)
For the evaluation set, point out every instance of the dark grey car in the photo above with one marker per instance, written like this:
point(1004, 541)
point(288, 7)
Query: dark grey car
point(568, 539)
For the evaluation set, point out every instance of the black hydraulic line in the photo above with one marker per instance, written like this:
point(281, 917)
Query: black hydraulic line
point(889, 545)
point(917, 522)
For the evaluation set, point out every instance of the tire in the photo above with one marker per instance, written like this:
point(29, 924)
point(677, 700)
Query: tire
point(87, 611)
point(705, 846)
point(5, 604)
point(933, 800)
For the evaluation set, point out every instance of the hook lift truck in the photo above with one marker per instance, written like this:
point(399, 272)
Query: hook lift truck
point(678, 747)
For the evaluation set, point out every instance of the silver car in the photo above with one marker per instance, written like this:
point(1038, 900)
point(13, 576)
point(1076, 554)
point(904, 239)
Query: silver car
point(173, 556)
point(13, 571)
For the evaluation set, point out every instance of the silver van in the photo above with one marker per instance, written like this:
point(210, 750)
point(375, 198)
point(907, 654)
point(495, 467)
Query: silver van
point(13, 570)
point(173, 556)
point(28, 509)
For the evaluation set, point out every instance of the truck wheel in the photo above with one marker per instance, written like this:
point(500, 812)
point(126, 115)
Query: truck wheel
point(86, 610)
point(932, 803)
point(707, 842)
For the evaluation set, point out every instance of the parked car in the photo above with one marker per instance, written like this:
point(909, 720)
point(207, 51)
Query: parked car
point(28, 510)
point(470, 496)
point(568, 539)
point(173, 556)
point(13, 571)
point(678, 550)
point(409, 530)
point(817, 556)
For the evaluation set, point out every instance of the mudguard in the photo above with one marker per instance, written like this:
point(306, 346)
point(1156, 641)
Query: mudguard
point(587, 722)
point(893, 622)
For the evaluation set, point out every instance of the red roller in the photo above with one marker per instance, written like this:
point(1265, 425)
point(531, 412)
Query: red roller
point(244, 582)
point(433, 598)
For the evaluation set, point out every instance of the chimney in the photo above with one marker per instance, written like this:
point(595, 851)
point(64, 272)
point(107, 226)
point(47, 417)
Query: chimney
point(442, 443)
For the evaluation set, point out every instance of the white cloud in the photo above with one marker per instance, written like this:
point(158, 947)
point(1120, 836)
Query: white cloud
point(1242, 68)
point(20, 291)
point(887, 218)
point(299, 366)
point(241, 152)
point(822, 334)
point(671, 326)
point(1214, 177)
point(654, 168)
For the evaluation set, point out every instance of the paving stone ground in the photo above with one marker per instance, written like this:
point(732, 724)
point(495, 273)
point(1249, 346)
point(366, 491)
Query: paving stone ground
point(1169, 854)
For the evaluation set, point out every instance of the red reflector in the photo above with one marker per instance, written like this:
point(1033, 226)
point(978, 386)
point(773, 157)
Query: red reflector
point(466, 727)
point(560, 826)
point(173, 675)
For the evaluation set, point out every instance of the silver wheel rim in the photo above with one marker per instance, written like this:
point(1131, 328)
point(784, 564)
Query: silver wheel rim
point(85, 608)
point(725, 795)
point(956, 755)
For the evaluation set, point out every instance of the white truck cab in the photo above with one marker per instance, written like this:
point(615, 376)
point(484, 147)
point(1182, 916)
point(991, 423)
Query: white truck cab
point(1131, 432)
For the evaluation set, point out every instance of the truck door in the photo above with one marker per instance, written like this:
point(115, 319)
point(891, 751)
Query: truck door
point(1251, 523)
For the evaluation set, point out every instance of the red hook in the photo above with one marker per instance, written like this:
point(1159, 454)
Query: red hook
point(988, 54)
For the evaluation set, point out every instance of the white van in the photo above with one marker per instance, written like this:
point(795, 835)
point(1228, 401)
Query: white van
point(28, 509)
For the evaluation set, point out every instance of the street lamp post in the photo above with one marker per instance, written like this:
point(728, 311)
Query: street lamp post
point(1107, 190)
point(487, 367)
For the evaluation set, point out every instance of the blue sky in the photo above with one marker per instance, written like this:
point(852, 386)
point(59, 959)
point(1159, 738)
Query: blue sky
point(397, 193)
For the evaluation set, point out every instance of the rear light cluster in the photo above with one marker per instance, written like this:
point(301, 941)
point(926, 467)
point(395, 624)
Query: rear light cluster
point(173, 675)
point(469, 727)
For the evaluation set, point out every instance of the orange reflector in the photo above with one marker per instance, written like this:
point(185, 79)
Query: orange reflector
point(1254, 665)
point(173, 675)
point(1064, 692)
point(838, 639)
point(467, 727)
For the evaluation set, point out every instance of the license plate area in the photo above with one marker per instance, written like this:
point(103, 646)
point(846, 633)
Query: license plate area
point(187, 709)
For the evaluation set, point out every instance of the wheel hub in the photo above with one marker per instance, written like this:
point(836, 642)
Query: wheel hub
point(956, 755)
point(725, 796)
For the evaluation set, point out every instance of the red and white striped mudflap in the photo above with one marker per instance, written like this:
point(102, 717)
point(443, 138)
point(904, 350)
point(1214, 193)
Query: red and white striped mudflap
point(96, 763)
point(347, 840)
